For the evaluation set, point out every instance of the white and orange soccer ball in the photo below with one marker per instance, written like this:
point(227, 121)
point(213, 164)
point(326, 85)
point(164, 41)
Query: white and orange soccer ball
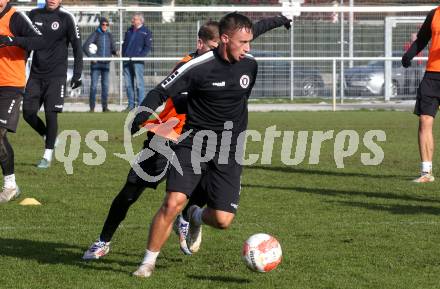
point(262, 252)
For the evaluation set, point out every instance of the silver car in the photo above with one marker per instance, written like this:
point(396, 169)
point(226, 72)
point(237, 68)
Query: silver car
point(369, 79)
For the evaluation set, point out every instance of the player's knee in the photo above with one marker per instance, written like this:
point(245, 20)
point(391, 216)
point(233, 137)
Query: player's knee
point(172, 205)
point(3, 132)
point(426, 125)
point(224, 220)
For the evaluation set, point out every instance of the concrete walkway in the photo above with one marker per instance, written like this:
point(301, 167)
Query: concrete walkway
point(407, 105)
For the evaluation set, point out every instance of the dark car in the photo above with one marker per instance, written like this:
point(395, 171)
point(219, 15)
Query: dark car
point(274, 78)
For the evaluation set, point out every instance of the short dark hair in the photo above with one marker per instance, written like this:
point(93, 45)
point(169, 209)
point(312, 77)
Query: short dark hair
point(209, 31)
point(234, 21)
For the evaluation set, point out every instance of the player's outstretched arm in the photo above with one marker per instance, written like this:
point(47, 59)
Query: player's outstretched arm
point(177, 82)
point(423, 37)
point(155, 98)
point(270, 23)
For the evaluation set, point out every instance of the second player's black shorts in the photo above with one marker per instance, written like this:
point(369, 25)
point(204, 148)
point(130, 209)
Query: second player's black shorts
point(50, 92)
point(10, 101)
point(221, 182)
point(428, 97)
point(153, 167)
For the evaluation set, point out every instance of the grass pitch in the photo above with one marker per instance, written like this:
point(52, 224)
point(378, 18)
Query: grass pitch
point(356, 227)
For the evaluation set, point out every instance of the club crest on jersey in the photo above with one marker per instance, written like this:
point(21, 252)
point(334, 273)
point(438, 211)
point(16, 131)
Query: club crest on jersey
point(244, 81)
point(55, 25)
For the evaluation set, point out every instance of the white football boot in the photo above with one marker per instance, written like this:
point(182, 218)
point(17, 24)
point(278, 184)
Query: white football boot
point(9, 194)
point(144, 270)
point(181, 227)
point(97, 250)
point(425, 177)
point(194, 237)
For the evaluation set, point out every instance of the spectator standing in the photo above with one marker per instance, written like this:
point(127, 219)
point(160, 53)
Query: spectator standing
point(100, 44)
point(137, 43)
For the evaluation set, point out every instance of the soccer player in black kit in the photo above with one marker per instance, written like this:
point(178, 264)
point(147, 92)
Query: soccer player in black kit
point(218, 84)
point(208, 38)
point(47, 81)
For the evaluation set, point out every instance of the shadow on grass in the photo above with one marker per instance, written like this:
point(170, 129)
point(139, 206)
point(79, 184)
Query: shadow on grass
point(332, 192)
point(293, 169)
point(57, 253)
point(27, 164)
point(224, 279)
point(394, 209)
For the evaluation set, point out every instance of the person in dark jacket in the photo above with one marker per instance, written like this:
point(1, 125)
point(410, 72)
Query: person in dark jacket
point(137, 43)
point(100, 44)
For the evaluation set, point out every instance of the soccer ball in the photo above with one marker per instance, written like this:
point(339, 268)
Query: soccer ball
point(93, 48)
point(261, 252)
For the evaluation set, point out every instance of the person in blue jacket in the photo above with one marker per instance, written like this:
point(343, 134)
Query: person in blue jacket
point(137, 43)
point(100, 44)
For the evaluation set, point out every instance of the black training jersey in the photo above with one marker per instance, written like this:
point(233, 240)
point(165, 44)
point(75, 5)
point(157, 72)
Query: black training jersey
point(59, 28)
point(217, 90)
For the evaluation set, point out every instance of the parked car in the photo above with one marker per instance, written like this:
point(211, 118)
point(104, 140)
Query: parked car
point(274, 78)
point(369, 79)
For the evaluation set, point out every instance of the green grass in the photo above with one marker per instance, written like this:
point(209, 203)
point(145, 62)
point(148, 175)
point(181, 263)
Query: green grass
point(357, 227)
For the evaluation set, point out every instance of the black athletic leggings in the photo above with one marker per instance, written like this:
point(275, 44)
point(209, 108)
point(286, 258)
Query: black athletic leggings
point(122, 202)
point(49, 129)
point(6, 153)
point(119, 208)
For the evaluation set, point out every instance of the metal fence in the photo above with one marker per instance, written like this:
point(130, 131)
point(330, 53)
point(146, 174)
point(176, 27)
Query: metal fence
point(365, 43)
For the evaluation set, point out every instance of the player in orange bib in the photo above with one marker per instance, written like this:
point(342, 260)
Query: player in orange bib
point(428, 93)
point(17, 37)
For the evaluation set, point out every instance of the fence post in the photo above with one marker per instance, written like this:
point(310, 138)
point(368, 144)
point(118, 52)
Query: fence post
point(121, 39)
point(342, 55)
point(292, 68)
point(334, 84)
point(388, 53)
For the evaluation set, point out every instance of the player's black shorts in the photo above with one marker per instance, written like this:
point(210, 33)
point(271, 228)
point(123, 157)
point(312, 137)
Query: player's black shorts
point(50, 92)
point(428, 97)
point(221, 182)
point(150, 172)
point(10, 101)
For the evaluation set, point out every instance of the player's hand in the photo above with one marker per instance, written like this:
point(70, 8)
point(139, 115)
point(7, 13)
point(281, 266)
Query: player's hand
point(75, 82)
point(7, 41)
point(137, 123)
point(135, 127)
point(288, 24)
point(288, 14)
point(406, 61)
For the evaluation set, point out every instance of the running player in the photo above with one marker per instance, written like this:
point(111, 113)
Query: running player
point(175, 107)
point(218, 84)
